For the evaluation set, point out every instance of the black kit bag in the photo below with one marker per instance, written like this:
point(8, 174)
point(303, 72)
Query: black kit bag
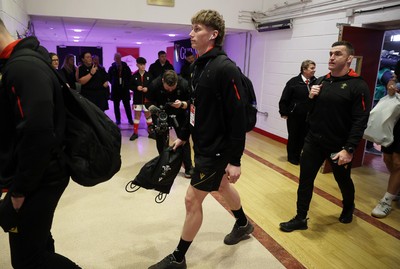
point(91, 144)
point(92, 141)
point(159, 173)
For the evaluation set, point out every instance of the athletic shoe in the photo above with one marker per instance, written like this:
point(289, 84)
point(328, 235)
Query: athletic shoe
point(133, 137)
point(294, 224)
point(381, 210)
point(169, 262)
point(347, 215)
point(238, 234)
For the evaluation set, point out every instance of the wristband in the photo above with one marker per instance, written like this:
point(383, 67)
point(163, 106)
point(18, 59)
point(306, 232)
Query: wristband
point(90, 74)
point(182, 104)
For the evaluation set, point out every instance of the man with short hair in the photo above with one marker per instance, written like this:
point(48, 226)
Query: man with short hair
point(140, 82)
point(119, 75)
point(185, 69)
point(160, 65)
point(171, 92)
point(94, 81)
point(340, 104)
point(218, 130)
point(32, 126)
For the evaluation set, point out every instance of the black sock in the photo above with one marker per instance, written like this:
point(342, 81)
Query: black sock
point(241, 218)
point(181, 250)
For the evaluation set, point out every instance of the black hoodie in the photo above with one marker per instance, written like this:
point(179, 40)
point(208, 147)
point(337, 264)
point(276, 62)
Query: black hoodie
point(29, 136)
point(219, 124)
point(340, 111)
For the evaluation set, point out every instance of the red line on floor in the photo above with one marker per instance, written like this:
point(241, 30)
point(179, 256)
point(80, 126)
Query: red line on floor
point(284, 257)
point(366, 217)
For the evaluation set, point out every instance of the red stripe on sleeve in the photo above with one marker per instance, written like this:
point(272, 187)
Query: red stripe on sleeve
point(236, 90)
point(363, 102)
point(18, 102)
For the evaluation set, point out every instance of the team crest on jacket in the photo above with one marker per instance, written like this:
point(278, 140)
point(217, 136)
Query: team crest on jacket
point(344, 86)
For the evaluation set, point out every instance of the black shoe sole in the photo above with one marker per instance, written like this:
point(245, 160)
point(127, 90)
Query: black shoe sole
point(291, 230)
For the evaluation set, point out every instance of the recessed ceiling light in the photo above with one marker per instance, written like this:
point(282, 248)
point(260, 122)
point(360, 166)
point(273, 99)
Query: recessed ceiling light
point(139, 43)
point(77, 30)
point(51, 28)
point(76, 37)
point(171, 35)
point(75, 40)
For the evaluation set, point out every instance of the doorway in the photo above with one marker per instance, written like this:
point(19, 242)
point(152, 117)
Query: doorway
point(386, 50)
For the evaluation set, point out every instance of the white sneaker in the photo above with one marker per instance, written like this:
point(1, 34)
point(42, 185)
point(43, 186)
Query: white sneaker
point(381, 210)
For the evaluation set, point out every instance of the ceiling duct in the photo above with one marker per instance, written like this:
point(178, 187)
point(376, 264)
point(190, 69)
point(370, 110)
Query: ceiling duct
point(276, 25)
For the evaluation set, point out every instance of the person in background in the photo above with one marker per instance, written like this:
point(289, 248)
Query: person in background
point(69, 69)
point(158, 68)
point(337, 120)
point(293, 107)
point(218, 132)
point(171, 92)
point(384, 76)
point(185, 69)
point(140, 82)
point(119, 75)
point(391, 157)
point(30, 167)
point(94, 81)
point(55, 63)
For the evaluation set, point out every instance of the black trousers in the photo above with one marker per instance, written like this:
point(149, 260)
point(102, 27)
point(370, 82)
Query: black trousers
point(297, 131)
point(33, 246)
point(127, 107)
point(161, 141)
point(311, 160)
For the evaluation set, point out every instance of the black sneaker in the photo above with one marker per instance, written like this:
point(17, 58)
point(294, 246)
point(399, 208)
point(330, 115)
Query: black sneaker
point(238, 233)
point(347, 215)
point(133, 137)
point(294, 224)
point(169, 262)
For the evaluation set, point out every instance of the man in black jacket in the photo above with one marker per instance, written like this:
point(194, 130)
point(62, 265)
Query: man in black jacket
point(158, 68)
point(218, 130)
point(185, 69)
point(30, 166)
point(172, 93)
point(119, 75)
point(339, 114)
point(293, 107)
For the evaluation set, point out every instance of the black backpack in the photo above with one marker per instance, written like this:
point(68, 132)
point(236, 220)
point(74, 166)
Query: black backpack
point(249, 96)
point(91, 144)
point(250, 101)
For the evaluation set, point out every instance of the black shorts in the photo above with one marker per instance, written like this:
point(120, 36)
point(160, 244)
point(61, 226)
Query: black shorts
point(395, 146)
point(208, 172)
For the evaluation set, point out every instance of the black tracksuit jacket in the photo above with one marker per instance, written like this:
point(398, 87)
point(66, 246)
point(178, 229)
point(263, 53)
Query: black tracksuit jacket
point(30, 122)
point(340, 112)
point(219, 126)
